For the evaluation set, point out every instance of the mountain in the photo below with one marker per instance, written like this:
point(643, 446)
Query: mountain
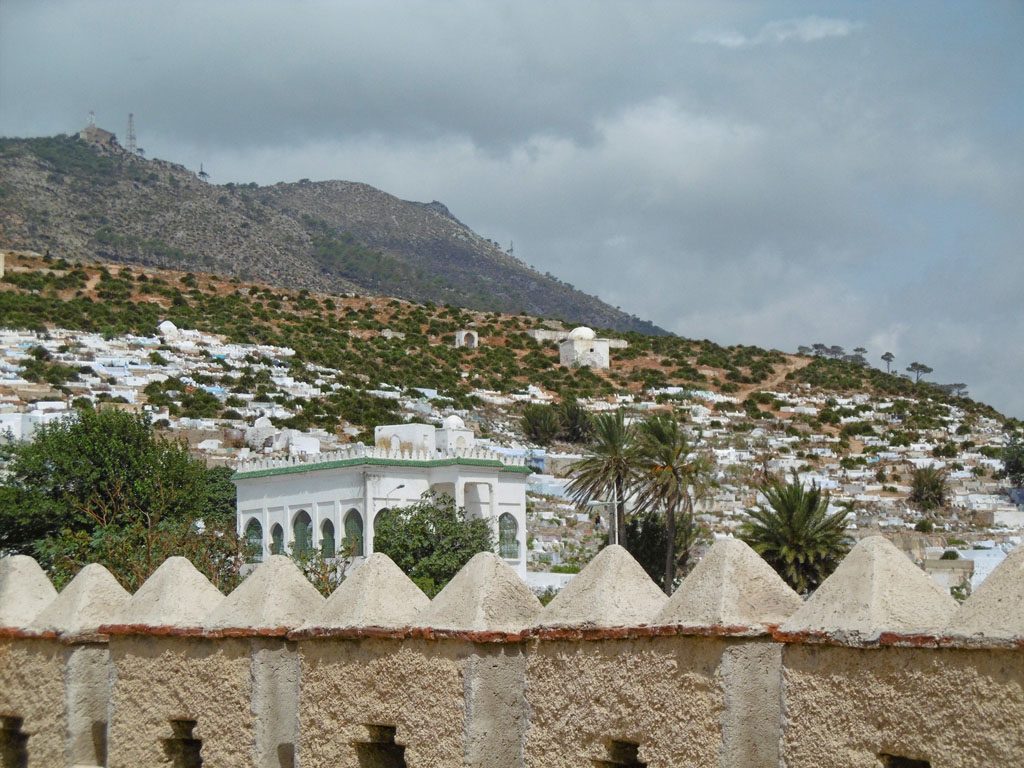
point(85, 198)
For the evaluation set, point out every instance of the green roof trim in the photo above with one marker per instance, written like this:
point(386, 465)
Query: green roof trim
point(360, 461)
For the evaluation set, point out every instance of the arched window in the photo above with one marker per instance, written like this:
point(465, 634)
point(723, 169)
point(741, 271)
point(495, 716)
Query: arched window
point(254, 540)
point(327, 539)
point(508, 537)
point(354, 533)
point(380, 517)
point(302, 529)
point(277, 540)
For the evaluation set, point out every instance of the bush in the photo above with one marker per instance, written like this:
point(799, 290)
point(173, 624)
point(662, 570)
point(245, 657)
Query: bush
point(540, 423)
point(431, 540)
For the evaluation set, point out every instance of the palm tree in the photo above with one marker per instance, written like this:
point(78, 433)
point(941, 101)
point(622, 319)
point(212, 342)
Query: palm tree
point(673, 475)
point(609, 471)
point(540, 423)
point(576, 423)
point(928, 487)
point(795, 533)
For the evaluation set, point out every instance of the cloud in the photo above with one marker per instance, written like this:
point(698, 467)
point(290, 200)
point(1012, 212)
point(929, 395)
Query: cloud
point(808, 29)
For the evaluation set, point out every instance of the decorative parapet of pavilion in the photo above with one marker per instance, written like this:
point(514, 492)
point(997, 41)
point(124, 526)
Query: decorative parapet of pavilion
point(878, 667)
point(359, 454)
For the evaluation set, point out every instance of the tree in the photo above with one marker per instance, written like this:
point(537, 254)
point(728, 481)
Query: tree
point(888, 357)
point(431, 539)
point(606, 475)
point(575, 423)
point(928, 488)
point(540, 423)
point(795, 533)
point(958, 389)
point(1013, 460)
point(672, 474)
point(919, 370)
point(102, 487)
point(648, 542)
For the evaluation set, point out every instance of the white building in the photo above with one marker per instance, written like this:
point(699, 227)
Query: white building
point(318, 501)
point(467, 338)
point(583, 349)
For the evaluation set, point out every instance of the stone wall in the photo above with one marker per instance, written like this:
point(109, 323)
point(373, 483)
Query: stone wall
point(877, 668)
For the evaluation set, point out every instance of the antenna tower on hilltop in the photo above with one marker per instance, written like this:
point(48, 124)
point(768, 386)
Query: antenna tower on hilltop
point(92, 119)
point(129, 142)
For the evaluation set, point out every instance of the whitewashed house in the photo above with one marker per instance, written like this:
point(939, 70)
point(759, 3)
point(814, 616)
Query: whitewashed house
point(320, 500)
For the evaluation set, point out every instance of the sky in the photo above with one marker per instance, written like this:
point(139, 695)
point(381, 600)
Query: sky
point(777, 174)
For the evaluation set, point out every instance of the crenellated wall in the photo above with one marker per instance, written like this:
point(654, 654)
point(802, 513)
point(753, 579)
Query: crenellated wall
point(878, 668)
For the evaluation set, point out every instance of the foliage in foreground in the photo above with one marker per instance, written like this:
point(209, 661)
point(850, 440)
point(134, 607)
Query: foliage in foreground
point(795, 533)
point(431, 540)
point(103, 487)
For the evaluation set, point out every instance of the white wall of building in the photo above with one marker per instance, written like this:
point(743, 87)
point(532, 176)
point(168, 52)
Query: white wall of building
point(328, 493)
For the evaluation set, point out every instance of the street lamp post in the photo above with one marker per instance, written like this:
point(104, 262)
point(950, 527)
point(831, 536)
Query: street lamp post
point(387, 496)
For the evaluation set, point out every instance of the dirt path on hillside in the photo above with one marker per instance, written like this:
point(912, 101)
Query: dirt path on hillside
point(793, 363)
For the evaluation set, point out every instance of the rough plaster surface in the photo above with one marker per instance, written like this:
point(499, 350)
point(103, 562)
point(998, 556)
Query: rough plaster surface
point(376, 594)
point(661, 693)
point(175, 595)
point(274, 595)
point(87, 688)
point(32, 688)
point(416, 686)
point(997, 608)
point(875, 589)
point(751, 680)
point(159, 679)
point(275, 702)
point(613, 590)
point(24, 590)
point(91, 599)
point(955, 708)
point(496, 721)
point(485, 595)
point(731, 586)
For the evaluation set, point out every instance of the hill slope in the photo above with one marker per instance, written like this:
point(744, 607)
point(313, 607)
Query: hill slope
point(375, 341)
point(85, 200)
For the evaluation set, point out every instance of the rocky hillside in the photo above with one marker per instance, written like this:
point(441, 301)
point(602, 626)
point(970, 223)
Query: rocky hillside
point(88, 200)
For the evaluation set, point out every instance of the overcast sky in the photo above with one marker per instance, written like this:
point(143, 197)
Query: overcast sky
point(775, 173)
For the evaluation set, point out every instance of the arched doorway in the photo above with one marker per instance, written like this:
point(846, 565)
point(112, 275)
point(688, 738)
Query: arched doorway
point(508, 537)
point(254, 540)
point(302, 530)
point(277, 539)
point(354, 533)
point(327, 548)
